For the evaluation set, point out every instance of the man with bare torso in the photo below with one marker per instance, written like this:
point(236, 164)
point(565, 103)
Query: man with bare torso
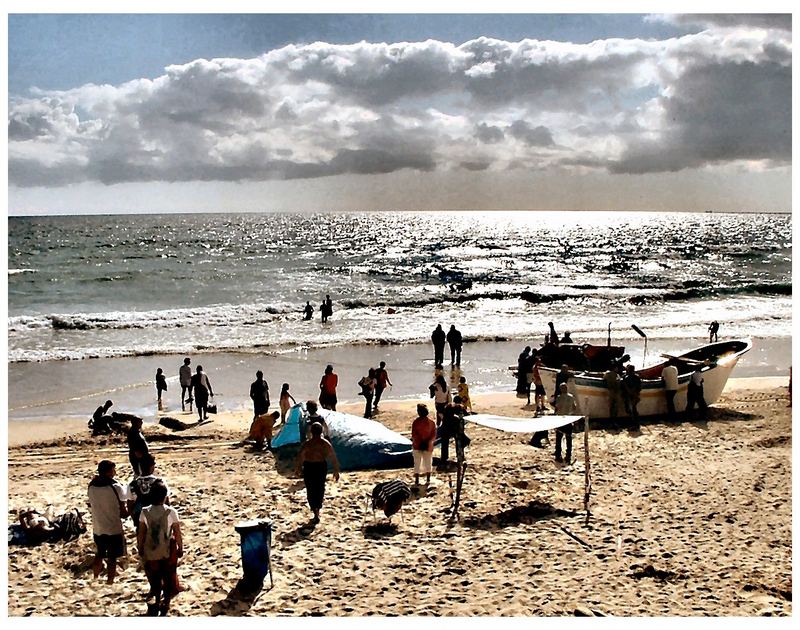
point(312, 463)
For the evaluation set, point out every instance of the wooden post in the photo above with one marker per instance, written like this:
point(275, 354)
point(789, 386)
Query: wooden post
point(461, 467)
point(587, 481)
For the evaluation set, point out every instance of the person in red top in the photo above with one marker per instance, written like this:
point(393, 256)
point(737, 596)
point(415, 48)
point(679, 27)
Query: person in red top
point(327, 386)
point(423, 435)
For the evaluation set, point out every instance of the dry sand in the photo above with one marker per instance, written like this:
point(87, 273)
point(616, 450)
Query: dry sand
point(687, 519)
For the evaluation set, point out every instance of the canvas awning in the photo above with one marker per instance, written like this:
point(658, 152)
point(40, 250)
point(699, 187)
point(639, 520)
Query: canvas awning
point(521, 425)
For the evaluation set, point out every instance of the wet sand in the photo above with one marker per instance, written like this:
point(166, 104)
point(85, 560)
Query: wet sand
point(686, 519)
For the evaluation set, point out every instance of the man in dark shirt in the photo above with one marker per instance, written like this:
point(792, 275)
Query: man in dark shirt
point(99, 422)
point(381, 381)
point(632, 391)
point(438, 338)
point(454, 340)
point(452, 427)
point(137, 446)
point(259, 393)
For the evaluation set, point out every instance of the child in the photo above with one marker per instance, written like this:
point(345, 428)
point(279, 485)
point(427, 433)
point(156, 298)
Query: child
point(160, 545)
point(463, 392)
point(161, 382)
point(284, 401)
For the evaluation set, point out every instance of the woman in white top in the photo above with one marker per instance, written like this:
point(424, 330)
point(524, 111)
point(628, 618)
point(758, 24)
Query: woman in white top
point(441, 396)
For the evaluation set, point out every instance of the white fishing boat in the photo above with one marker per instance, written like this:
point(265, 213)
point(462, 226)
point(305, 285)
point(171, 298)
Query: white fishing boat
point(716, 362)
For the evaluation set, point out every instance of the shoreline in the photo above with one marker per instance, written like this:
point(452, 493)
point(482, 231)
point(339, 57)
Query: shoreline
point(73, 389)
point(25, 432)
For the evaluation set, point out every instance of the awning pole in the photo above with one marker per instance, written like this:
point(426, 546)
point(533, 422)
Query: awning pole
point(587, 487)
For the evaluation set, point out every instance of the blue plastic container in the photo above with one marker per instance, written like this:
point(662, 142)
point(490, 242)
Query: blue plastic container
point(256, 543)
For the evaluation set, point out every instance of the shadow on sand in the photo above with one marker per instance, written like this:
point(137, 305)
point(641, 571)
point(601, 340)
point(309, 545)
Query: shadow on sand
point(239, 600)
point(533, 511)
point(301, 532)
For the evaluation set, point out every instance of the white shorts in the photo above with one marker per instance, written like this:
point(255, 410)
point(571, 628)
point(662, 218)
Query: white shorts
point(423, 462)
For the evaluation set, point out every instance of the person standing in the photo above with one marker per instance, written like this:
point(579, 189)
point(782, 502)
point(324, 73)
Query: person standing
point(463, 393)
point(312, 463)
point(259, 394)
point(669, 375)
point(423, 436)
point(441, 396)
point(438, 337)
point(161, 384)
point(367, 384)
point(201, 387)
point(160, 544)
point(327, 386)
point(137, 446)
point(313, 416)
point(381, 382)
point(452, 427)
point(539, 393)
point(632, 390)
point(694, 394)
point(326, 308)
point(566, 405)
point(107, 504)
point(139, 495)
point(713, 330)
point(563, 377)
point(553, 334)
point(523, 370)
point(613, 385)
point(284, 401)
point(185, 377)
point(454, 340)
point(308, 312)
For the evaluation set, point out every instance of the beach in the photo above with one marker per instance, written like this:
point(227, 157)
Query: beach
point(686, 519)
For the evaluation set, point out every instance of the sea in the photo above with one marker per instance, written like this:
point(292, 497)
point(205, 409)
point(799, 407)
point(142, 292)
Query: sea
point(128, 286)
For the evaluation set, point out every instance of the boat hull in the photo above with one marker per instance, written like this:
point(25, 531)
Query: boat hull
point(592, 395)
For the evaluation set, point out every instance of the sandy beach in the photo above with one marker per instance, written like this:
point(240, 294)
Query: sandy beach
point(686, 519)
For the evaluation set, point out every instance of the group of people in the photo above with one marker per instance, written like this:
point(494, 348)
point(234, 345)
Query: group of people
point(452, 338)
point(372, 387)
point(159, 539)
point(325, 309)
point(195, 388)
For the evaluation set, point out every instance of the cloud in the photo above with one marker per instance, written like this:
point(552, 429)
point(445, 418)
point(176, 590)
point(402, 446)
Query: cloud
point(622, 105)
point(489, 134)
point(538, 136)
point(718, 113)
point(780, 21)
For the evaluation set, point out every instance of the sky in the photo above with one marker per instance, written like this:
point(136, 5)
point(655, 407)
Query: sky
point(179, 113)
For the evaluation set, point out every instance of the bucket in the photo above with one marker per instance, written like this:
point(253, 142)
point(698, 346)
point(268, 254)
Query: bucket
point(256, 543)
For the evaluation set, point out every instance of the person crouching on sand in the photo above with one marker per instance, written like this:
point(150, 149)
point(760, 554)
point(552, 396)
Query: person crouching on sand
point(261, 429)
point(423, 435)
point(160, 543)
point(312, 463)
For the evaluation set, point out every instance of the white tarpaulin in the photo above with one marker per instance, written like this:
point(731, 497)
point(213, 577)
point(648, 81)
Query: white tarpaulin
point(521, 425)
